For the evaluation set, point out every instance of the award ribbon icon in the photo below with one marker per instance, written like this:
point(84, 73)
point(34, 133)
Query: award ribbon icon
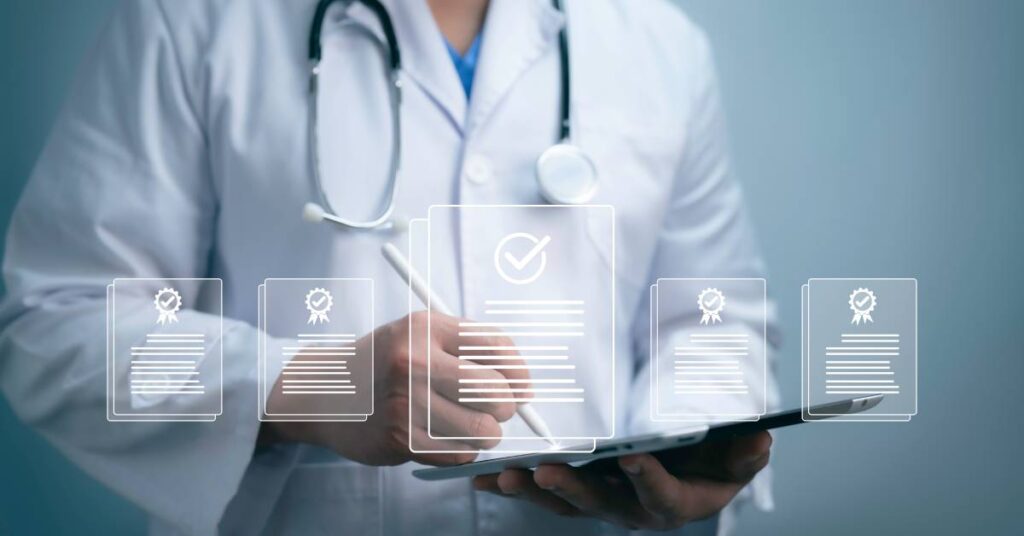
point(711, 302)
point(318, 303)
point(168, 302)
point(862, 302)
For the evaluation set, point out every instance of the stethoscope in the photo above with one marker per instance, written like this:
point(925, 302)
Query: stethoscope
point(565, 174)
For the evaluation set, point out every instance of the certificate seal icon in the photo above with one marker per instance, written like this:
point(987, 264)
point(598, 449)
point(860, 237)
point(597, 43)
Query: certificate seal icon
point(167, 302)
point(318, 303)
point(862, 302)
point(711, 302)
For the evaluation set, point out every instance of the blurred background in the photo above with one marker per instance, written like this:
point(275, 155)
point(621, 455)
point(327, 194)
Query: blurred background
point(877, 138)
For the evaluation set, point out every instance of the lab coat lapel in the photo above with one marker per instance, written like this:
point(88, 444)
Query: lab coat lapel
point(516, 34)
point(425, 58)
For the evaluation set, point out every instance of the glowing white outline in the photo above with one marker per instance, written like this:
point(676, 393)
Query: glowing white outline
point(261, 378)
point(110, 375)
point(263, 393)
point(112, 414)
point(659, 416)
point(261, 403)
point(854, 417)
point(613, 314)
point(805, 344)
point(916, 374)
point(411, 299)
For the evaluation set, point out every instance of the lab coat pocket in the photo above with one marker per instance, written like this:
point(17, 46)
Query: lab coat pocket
point(329, 498)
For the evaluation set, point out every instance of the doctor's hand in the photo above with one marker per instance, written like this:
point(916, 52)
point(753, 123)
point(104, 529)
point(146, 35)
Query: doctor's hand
point(641, 491)
point(384, 438)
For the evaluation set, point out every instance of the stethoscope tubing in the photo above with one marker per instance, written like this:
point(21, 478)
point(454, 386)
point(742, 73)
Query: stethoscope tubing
point(392, 53)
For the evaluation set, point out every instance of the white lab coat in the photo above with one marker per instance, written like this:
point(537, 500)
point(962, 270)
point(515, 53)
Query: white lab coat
point(183, 152)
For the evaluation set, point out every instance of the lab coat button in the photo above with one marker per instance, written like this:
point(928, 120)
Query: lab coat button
point(477, 169)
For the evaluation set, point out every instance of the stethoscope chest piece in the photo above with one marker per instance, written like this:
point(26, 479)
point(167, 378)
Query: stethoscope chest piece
point(566, 175)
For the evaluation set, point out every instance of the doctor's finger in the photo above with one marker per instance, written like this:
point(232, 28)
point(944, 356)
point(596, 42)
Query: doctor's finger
point(488, 483)
point(467, 335)
point(462, 380)
point(672, 500)
point(438, 406)
point(449, 419)
point(519, 484)
point(453, 334)
point(594, 495)
point(496, 350)
point(736, 459)
point(427, 450)
point(510, 365)
point(664, 495)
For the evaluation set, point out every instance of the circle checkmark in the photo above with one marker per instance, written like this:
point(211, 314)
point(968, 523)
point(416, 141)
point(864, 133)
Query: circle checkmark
point(167, 301)
point(711, 301)
point(318, 302)
point(520, 258)
point(862, 302)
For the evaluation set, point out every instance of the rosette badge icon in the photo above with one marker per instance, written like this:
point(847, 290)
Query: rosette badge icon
point(168, 303)
point(318, 302)
point(862, 302)
point(711, 302)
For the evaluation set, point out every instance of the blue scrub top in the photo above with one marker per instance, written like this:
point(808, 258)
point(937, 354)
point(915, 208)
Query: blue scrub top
point(465, 65)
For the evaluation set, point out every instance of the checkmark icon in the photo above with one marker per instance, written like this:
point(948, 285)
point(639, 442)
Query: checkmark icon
point(318, 303)
point(862, 303)
point(521, 263)
point(711, 302)
point(167, 302)
point(521, 269)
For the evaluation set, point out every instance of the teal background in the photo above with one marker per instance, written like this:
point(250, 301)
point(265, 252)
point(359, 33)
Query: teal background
point(874, 138)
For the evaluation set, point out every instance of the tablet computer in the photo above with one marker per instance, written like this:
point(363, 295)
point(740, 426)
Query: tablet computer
point(655, 442)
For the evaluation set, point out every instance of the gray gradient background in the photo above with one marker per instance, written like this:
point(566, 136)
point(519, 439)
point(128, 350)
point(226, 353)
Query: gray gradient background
point(875, 138)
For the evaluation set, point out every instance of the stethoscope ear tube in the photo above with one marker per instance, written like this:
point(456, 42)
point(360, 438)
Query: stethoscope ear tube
point(564, 126)
point(382, 219)
point(565, 174)
point(315, 50)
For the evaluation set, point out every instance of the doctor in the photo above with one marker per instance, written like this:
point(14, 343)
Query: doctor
point(184, 151)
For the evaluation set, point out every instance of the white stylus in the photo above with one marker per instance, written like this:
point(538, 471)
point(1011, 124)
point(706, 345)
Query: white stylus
point(426, 295)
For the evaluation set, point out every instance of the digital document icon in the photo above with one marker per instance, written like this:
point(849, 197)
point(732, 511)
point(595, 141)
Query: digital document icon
point(707, 366)
point(559, 334)
point(166, 366)
point(872, 353)
point(316, 362)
